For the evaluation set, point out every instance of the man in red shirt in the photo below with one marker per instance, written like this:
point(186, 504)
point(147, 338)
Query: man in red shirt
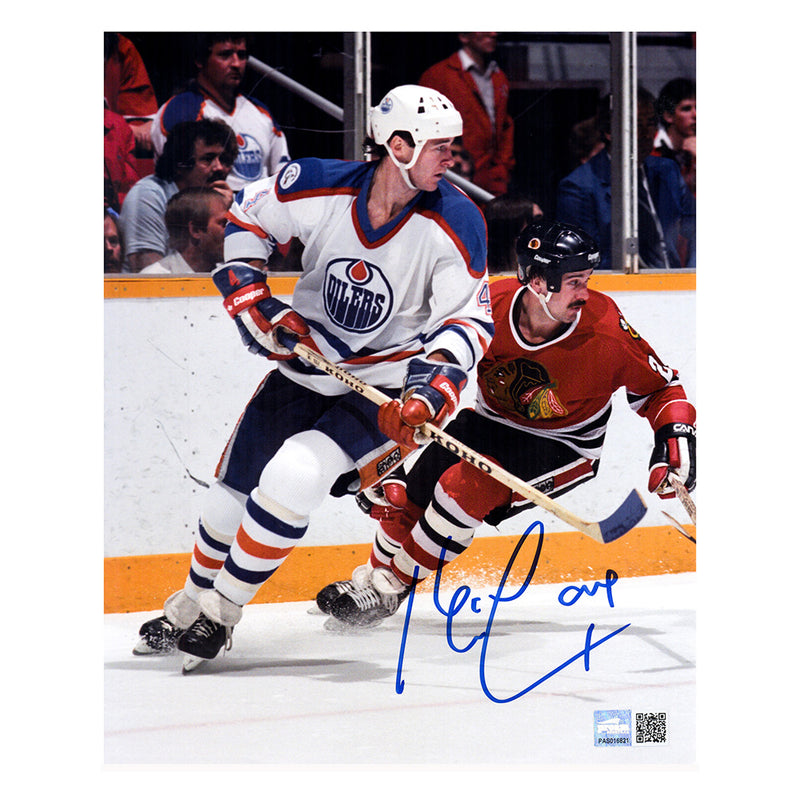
point(478, 88)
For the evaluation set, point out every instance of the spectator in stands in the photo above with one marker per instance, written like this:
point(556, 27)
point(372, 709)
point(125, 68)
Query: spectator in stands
point(677, 133)
point(479, 89)
point(112, 247)
point(221, 60)
point(585, 141)
point(506, 216)
point(129, 93)
point(195, 219)
point(118, 159)
point(198, 153)
point(666, 218)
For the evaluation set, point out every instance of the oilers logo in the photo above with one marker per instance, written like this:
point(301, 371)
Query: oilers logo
point(357, 296)
point(250, 159)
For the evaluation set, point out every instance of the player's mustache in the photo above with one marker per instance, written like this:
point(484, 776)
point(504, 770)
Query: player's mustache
point(577, 304)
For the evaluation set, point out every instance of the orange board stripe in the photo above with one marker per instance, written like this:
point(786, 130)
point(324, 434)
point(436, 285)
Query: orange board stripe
point(142, 583)
point(127, 286)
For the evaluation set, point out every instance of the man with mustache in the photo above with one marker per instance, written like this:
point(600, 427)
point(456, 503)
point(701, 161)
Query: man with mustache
point(559, 353)
point(221, 60)
point(198, 153)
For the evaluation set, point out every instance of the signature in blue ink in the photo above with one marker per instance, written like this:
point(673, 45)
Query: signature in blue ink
point(461, 595)
point(611, 579)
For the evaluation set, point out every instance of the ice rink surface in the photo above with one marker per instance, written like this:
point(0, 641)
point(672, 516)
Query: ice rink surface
point(292, 691)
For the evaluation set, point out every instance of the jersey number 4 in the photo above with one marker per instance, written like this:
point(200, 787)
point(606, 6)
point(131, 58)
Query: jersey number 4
point(484, 298)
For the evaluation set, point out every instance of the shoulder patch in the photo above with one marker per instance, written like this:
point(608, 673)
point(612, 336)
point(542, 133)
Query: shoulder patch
point(315, 175)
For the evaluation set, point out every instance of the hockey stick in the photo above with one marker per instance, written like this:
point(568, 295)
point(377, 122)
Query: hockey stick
point(607, 530)
point(684, 497)
point(679, 527)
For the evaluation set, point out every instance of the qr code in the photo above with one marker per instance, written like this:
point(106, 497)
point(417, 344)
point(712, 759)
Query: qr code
point(651, 728)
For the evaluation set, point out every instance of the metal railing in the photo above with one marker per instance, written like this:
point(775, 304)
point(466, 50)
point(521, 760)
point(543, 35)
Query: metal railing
point(338, 113)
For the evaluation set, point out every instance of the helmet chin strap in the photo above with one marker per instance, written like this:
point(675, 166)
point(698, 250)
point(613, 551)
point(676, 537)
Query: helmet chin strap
point(543, 301)
point(405, 169)
point(405, 175)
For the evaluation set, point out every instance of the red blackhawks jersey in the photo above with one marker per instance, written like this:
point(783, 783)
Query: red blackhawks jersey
point(562, 389)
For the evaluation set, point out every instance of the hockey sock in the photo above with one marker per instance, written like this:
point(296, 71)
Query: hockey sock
point(395, 527)
point(442, 533)
point(461, 500)
point(266, 537)
point(216, 530)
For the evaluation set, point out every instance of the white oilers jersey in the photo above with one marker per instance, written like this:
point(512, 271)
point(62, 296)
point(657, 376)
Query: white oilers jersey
point(262, 146)
point(372, 298)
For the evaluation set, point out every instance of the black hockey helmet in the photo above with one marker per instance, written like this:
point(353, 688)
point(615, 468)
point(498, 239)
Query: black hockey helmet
point(551, 249)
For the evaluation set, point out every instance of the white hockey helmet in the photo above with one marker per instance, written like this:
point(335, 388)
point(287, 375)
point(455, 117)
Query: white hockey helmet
point(421, 112)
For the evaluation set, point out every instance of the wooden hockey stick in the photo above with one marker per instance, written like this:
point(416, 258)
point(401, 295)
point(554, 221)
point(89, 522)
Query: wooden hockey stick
point(684, 497)
point(679, 527)
point(607, 530)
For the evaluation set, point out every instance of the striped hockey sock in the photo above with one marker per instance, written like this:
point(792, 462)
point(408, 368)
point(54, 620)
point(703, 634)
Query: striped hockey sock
point(210, 551)
point(444, 531)
point(266, 537)
point(395, 527)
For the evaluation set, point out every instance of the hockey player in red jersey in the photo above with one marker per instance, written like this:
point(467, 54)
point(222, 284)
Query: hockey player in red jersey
point(559, 353)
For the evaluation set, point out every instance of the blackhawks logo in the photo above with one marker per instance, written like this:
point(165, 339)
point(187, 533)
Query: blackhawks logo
point(525, 388)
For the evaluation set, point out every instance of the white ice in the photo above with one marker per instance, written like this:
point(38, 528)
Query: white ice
point(291, 692)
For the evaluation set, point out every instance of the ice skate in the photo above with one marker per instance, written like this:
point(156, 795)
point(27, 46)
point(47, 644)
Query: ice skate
point(367, 605)
point(157, 637)
point(160, 636)
point(327, 595)
point(203, 641)
point(211, 631)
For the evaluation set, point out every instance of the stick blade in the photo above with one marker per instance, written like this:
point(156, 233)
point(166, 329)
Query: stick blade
point(626, 517)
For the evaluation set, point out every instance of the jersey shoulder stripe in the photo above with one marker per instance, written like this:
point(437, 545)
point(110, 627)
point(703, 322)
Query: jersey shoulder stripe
point(311, 177)
point(462, 220)
point(183, 107)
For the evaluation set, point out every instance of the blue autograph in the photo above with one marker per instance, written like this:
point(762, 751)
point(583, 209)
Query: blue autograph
point(568, 597)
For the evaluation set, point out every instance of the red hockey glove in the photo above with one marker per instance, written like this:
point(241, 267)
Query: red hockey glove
point(674, 453)
point(431, 393)
point(385, 497)
point(259, 316)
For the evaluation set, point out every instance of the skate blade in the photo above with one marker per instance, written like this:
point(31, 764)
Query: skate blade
point(191, 663)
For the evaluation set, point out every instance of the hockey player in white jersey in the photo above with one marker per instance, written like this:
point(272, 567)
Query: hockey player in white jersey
point(393, 287)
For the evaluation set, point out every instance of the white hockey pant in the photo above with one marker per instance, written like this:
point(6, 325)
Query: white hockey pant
point(294, 483)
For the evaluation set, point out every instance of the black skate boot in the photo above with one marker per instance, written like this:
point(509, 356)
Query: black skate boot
point(366, 606)
point(327, 596)
point(158, 637)
point(202, 641)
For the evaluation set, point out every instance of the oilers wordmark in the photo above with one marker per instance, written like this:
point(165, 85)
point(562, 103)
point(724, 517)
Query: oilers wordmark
point(358, 297)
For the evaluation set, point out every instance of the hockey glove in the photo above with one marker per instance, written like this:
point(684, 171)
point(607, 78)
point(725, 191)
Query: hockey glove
point(259, 316)
point(674, 453)
point(431, 393)
point(385, 496)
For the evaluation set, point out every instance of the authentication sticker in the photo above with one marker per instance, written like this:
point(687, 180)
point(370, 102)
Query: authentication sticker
point(612, 728)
